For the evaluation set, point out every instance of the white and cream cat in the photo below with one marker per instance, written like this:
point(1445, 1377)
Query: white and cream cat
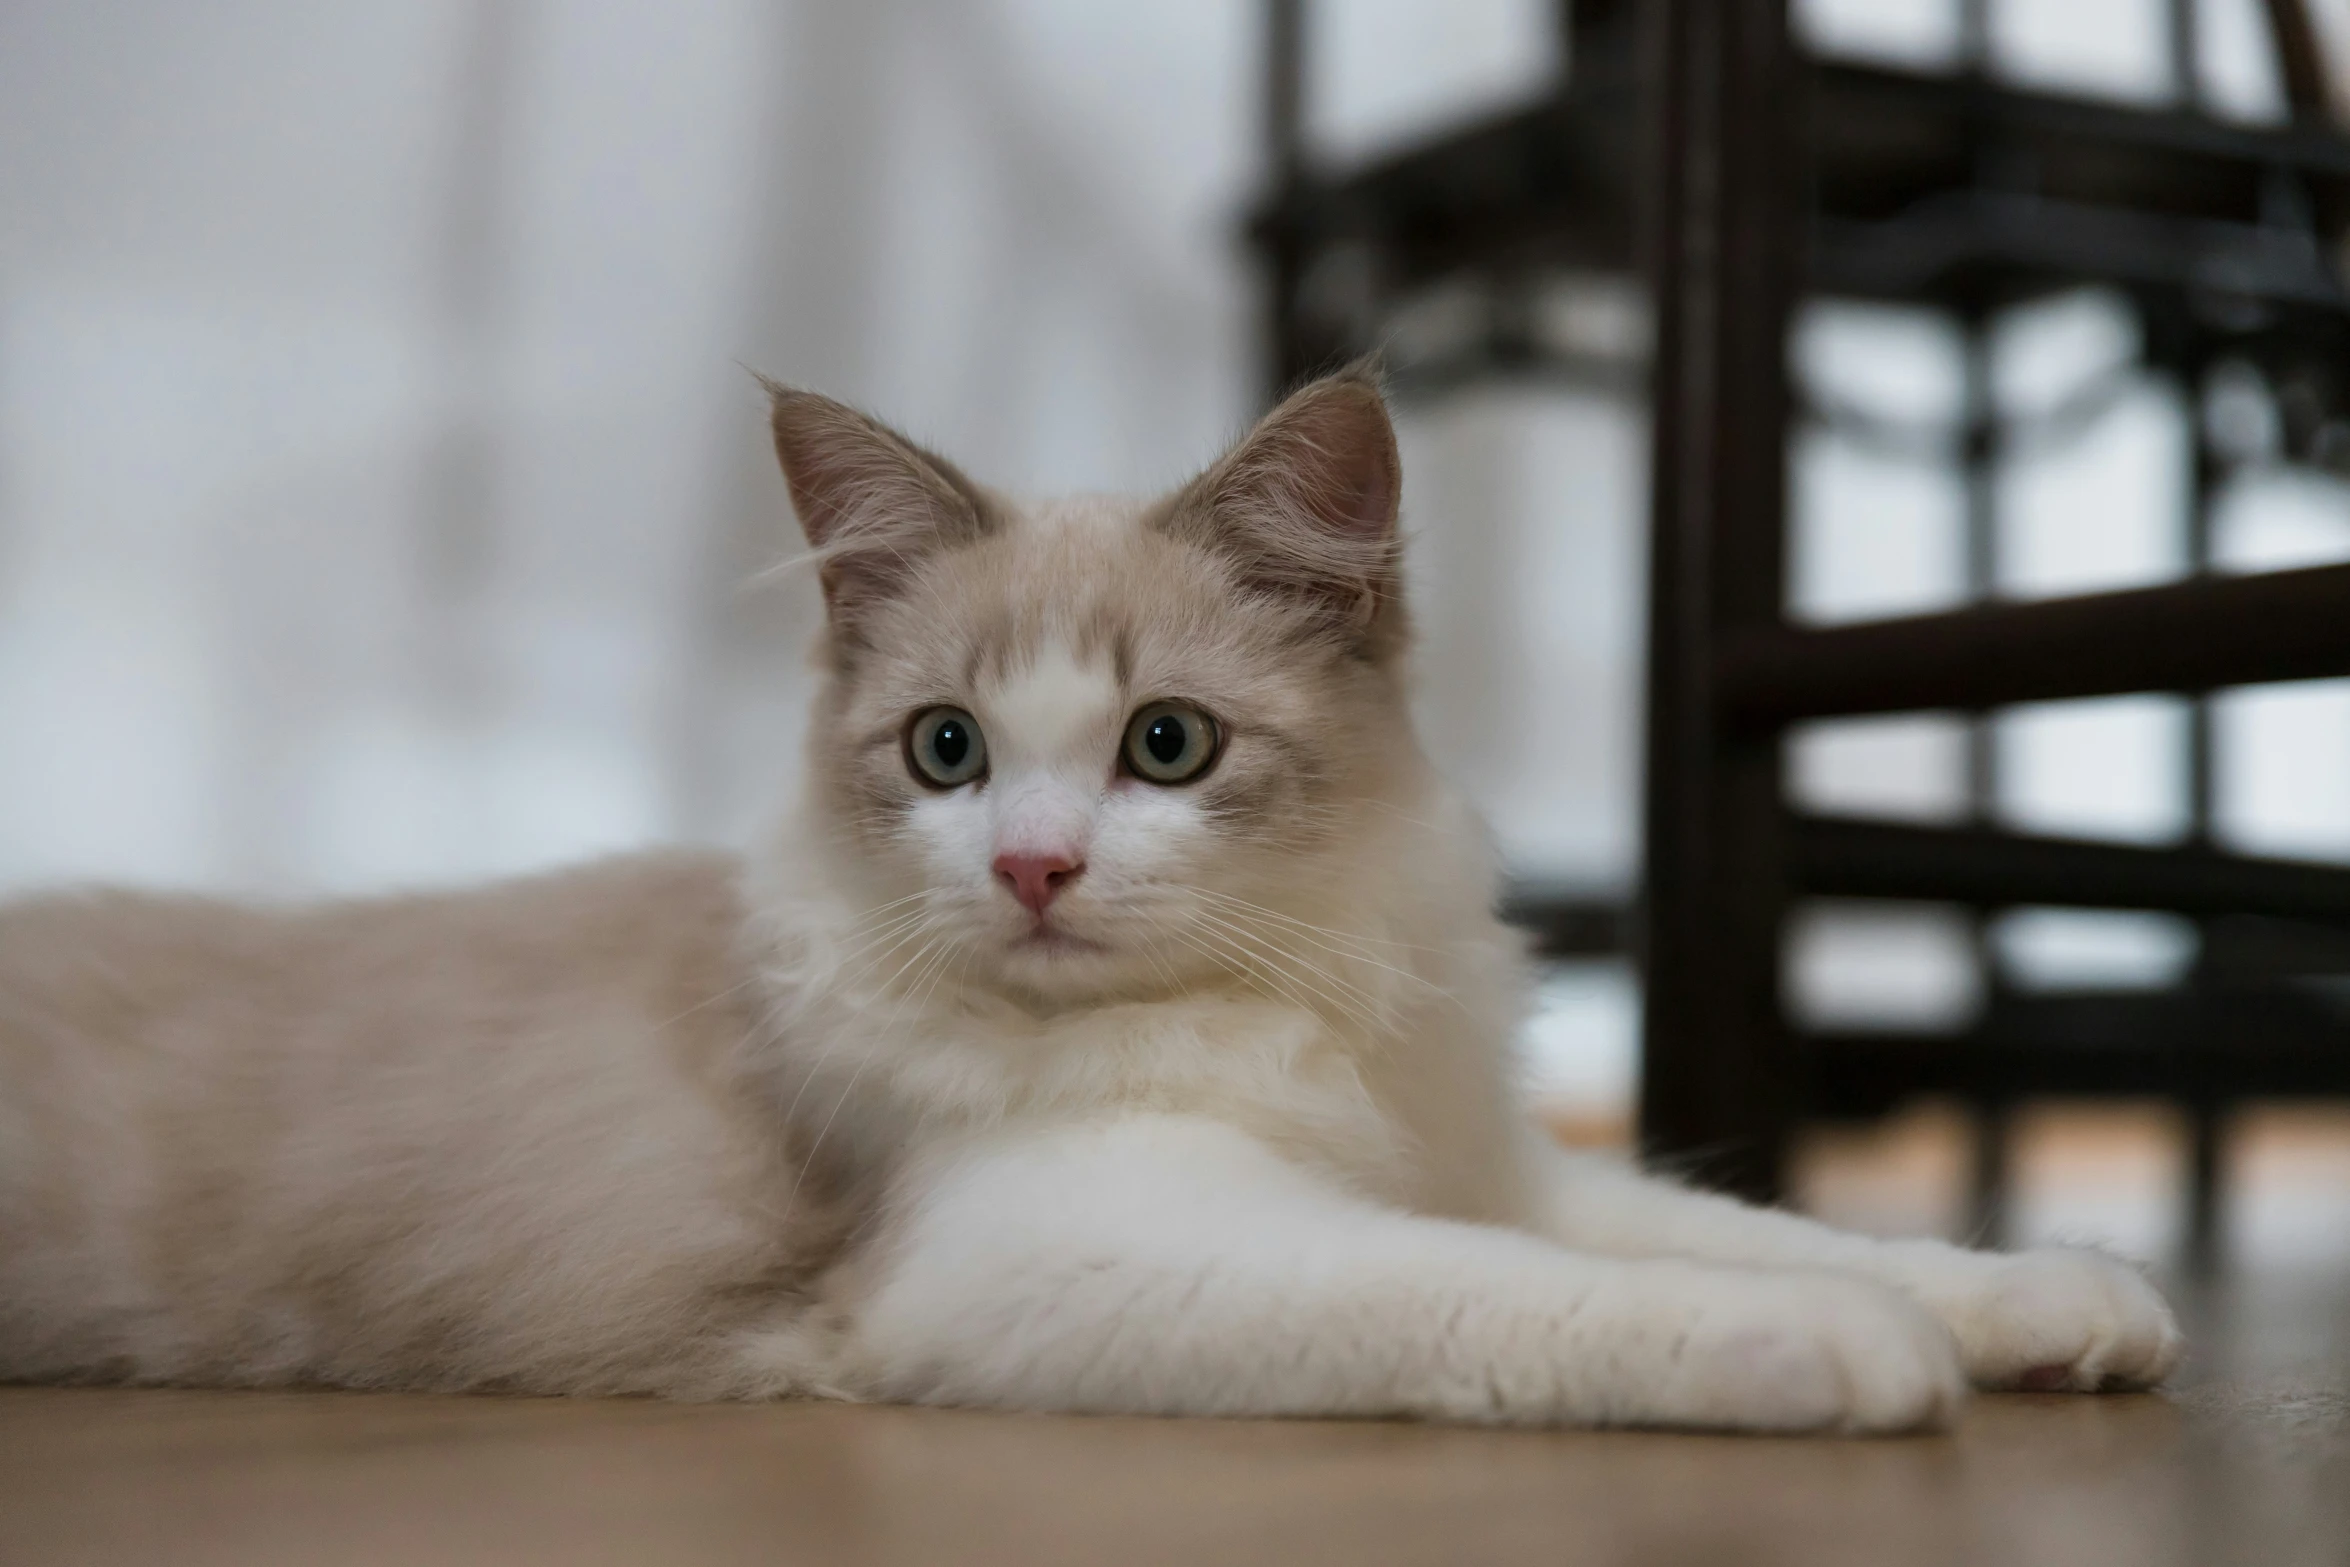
point(1117, 1022)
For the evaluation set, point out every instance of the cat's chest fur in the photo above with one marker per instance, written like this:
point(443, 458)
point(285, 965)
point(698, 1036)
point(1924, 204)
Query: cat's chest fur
point(889, 1081)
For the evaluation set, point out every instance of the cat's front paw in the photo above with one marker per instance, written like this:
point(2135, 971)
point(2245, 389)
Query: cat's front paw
point(1816, 1353)
point(2058, 1320)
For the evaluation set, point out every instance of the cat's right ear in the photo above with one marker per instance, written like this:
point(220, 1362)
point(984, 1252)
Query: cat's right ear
point(871, 502)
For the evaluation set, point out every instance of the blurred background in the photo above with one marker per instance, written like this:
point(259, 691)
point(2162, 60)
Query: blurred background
point(382, 477)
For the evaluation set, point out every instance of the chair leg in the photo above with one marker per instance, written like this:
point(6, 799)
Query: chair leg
point(1992, 1166)
point(2206, 1130)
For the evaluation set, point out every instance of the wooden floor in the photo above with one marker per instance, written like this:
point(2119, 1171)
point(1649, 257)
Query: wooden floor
point(2248, 1461)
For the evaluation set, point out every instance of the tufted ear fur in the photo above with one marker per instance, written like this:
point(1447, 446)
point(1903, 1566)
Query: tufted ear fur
point(1305, 507)
point(871, 502)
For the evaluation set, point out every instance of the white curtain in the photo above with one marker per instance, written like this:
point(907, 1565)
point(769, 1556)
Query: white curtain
point(380, 464)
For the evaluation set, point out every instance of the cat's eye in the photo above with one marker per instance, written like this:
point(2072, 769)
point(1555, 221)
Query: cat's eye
point(1170, 743)
point(944, 747)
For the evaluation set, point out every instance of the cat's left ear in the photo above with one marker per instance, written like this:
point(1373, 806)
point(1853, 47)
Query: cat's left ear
point(871, 502)
point(1305, 508)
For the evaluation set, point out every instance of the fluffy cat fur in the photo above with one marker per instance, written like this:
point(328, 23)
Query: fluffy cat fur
point(1226, 1126)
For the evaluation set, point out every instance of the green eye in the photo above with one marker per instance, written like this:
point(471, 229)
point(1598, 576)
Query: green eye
point(944, 747)
point(1169, 743)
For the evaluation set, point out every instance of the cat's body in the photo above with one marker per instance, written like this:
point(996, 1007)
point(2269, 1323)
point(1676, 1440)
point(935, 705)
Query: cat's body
point(499, 1137)
point(1117, 1022)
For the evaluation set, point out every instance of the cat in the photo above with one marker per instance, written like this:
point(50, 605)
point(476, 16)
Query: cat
point(1117, 1022)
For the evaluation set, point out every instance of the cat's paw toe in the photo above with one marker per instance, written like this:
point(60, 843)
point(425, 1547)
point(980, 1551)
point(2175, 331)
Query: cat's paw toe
point(2062, 1320)
point(1825, 1355)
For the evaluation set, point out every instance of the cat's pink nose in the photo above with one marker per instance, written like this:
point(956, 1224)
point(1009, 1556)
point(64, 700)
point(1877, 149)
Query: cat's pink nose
point(1037, 879)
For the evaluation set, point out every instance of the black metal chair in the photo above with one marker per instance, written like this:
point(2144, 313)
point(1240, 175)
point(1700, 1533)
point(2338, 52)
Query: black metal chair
point(1691, 141)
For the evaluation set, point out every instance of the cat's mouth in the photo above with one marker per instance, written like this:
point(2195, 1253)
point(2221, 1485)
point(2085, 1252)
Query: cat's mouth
point(1052, 941)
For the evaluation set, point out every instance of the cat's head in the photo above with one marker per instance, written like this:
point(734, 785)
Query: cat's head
point(1087, 747)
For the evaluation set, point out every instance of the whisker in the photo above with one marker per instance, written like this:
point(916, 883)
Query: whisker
point(1271, 978)
point(948, 960)
point(921, 919)
point(896, 930)
point(890, 914)
point(1307, 932)
point(808, 1159)
point(1350, 999)
point(1156, 953)
point(706, 1001)
point(928, 947)
point(884, 908)
point(1346, 942)
point(1251, 977)
point(832, 1046)
point(1400, 814)
point(1361, 937)
point(920, 953)
point(1338, 942)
